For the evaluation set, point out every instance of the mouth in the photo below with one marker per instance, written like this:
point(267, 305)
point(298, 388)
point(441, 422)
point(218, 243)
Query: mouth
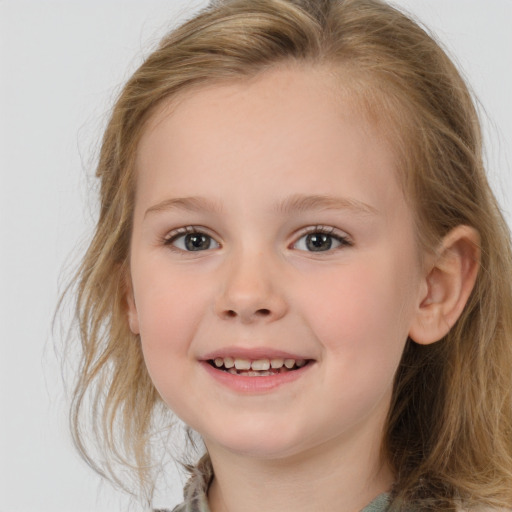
point(262, 367)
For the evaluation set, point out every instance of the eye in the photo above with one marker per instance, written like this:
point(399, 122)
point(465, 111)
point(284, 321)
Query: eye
point(191, 240)
point(321, 239)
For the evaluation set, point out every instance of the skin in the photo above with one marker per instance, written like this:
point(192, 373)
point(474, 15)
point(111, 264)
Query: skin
point(249, 152)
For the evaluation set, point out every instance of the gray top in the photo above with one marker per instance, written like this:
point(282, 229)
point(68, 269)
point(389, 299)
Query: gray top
point(195, 493)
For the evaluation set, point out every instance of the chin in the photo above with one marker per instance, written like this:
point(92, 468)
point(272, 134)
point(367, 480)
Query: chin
point(267, 443)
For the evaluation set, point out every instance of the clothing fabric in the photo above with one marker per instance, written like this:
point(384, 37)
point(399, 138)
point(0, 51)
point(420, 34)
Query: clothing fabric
point(195, 492)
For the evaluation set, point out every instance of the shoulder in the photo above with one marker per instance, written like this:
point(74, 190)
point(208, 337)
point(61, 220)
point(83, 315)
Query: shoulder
point(485, 509)
point(196, 489)
point(177, 508)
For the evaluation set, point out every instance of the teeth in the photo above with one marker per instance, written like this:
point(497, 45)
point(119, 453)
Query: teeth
point(229, 362)
point(242, 364)
point(276, 363)
point(260, 364)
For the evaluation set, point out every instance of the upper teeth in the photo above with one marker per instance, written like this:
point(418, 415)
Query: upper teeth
point(257, 364)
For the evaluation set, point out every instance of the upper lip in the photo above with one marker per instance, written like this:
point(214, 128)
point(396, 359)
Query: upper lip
point(254, 353)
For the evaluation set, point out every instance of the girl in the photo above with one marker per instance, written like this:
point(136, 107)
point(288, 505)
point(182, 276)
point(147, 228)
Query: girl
point(298, 253)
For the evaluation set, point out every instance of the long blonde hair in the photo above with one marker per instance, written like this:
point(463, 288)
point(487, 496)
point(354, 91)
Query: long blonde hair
point(449, 430)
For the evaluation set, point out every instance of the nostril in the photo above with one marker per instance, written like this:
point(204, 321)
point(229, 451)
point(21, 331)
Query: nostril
point(247, 315)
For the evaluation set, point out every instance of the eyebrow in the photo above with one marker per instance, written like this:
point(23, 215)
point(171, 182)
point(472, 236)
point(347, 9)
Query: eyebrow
point(293, 204)
point(300, 203)
point(191, 204)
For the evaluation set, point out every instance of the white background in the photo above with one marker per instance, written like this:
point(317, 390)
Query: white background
point(61, 64)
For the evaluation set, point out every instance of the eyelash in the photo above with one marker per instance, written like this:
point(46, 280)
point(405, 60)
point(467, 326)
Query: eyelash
point(175, 235)
point(343, 240)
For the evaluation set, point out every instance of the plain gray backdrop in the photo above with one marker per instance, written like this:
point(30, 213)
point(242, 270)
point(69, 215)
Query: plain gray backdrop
point(61, 64)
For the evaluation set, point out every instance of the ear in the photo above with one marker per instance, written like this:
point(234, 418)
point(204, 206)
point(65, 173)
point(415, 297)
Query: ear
point(131, 309)
point(448, 282)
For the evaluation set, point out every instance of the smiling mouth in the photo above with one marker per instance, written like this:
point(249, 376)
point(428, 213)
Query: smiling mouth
point(257, 367)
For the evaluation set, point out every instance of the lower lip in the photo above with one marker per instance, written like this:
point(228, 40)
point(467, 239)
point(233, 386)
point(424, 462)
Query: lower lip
point(255, 385)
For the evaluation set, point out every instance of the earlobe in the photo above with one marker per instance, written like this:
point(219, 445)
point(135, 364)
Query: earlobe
point(447, 285)
point(131, 309)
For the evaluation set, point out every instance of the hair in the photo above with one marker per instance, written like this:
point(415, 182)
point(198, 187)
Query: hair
point(448, 434)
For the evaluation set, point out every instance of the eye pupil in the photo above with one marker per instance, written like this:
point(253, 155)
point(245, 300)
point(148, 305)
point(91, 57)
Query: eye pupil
point(318, 242)
point(197, 242)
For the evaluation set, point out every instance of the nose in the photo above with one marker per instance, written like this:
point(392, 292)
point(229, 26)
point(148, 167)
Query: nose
point(251, 291)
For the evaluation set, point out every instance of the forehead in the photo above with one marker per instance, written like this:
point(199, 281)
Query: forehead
point(298, 91)
point(286, 122)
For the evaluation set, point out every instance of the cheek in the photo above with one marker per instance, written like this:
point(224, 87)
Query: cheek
point(363, 309)
point(169, 314)
point(169, 309)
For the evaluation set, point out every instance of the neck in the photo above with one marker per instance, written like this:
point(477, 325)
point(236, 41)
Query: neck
point(334, 477)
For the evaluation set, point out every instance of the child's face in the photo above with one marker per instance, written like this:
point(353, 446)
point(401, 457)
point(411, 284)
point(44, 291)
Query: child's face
point(269, 224)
